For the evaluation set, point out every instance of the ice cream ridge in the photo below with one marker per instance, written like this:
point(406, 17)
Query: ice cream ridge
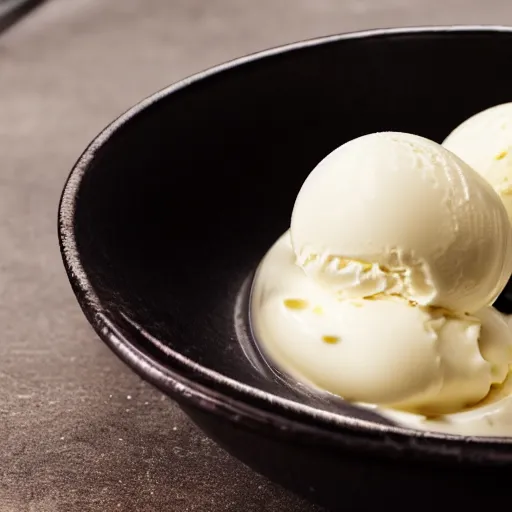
point(381, 291)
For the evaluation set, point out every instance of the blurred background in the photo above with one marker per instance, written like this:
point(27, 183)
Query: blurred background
point(79, 431)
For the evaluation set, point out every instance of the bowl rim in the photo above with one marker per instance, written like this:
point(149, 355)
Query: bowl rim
point(266, 410)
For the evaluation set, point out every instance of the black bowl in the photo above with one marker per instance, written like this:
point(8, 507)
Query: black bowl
point(168, 212)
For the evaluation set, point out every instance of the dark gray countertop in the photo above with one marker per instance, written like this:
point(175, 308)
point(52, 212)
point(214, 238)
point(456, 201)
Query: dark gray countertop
point(81, 432)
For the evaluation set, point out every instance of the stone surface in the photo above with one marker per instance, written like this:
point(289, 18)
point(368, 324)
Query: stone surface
point(81, 432)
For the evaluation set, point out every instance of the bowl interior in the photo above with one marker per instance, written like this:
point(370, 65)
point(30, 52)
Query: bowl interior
point(175, 211)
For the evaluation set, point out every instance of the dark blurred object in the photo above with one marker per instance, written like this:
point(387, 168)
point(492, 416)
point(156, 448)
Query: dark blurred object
point(12, 11)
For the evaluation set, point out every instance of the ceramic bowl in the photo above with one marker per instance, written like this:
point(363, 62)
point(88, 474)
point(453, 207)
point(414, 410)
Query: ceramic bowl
point(168, 212)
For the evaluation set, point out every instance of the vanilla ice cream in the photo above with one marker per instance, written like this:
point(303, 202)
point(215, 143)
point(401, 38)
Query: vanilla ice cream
point(484, 141)
point(490, 417)
point(381, 290)
point(397, 214)
point(382, 351)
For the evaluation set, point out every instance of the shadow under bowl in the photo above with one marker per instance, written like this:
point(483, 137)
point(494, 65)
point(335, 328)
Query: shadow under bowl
point(168, 212)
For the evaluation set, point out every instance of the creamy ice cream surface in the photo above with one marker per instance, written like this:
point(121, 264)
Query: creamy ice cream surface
point(398, 214)
point(490, 417)
point(383, 350)
point(484, 141)
point(380, 292)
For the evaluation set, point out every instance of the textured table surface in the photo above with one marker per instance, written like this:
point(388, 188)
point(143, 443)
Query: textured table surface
point(80, 432)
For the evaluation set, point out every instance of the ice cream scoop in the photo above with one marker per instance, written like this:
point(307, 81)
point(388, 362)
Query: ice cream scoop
point(484, 141)
point(382, 350)
point(397, 214)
